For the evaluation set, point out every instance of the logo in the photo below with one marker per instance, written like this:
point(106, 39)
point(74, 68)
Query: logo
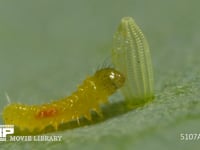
point(5, 130)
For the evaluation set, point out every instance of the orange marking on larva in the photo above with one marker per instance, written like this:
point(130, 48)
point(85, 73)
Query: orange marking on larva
point(50, 112)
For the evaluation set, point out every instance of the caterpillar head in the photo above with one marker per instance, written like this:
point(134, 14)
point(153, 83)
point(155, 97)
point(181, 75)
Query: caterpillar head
point(110, 79)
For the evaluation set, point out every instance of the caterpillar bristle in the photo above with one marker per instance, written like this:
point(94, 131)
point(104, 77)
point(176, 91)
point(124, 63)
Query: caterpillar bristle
point(106, 64)
point(7, 98)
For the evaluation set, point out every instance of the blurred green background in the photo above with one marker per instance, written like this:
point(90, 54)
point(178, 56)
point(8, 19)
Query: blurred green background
point(48, 47)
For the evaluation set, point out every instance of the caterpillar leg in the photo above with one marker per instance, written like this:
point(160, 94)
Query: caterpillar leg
point(88, 116)
point(98, 111)
point(78, 121)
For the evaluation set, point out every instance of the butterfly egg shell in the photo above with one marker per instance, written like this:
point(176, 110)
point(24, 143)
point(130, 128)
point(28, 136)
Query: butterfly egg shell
point(131, 56)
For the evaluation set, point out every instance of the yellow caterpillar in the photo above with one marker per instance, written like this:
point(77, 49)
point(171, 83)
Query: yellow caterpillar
point(95, 90)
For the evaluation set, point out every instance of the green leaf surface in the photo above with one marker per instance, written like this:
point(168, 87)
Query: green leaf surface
point(48, 47)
